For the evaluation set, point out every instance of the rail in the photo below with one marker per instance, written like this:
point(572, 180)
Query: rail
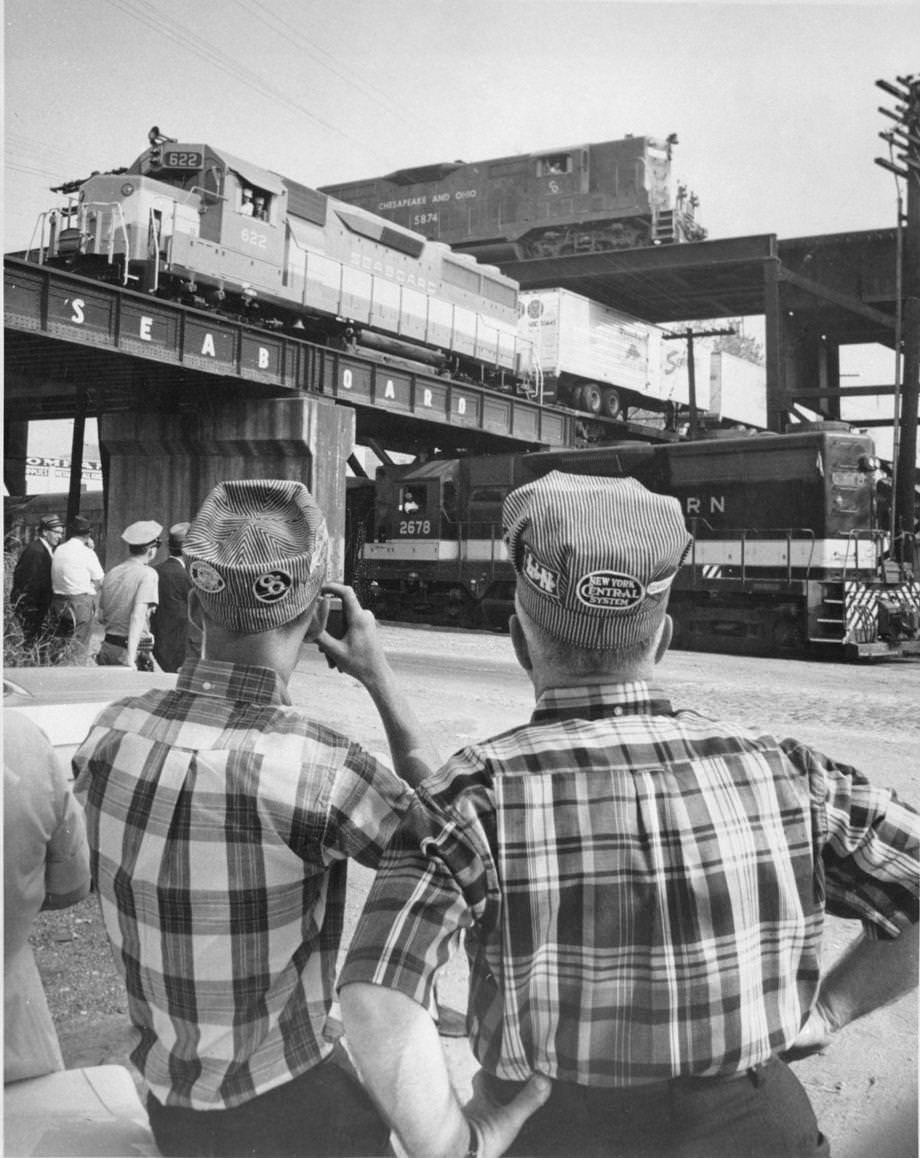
point(154, 236)
point(88, 213)
point(745, 536)
point(38, 228)
point(857, 536)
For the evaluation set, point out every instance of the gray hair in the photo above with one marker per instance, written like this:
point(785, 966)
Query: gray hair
point(582, 661)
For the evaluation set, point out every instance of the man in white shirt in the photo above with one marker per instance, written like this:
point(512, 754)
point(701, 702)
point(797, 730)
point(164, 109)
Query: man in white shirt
point(76, 575)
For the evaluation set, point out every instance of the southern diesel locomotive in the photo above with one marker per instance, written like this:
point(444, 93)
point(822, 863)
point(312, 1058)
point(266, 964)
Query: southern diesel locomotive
point(196, 224)
point(789, 557)
point(581, 199)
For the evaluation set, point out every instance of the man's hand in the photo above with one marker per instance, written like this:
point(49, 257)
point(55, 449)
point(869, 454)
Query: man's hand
point(815, 1036)
point(359, 652)
point(498, 1126)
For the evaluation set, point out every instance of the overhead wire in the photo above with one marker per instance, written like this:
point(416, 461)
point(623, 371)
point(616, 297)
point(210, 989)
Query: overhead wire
point(179, 34)
point(326, 60)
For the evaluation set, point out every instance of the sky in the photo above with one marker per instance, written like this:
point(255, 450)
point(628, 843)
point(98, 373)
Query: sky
point(774, 105)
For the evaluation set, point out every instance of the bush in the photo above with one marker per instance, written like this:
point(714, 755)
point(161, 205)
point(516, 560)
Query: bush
point(48, 650)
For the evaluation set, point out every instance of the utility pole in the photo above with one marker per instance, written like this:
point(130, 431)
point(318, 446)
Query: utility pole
point(904, 144)
point(688, 335)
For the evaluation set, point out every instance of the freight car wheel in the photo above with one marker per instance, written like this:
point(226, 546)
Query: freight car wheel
point(590, 397)
point(611, 406)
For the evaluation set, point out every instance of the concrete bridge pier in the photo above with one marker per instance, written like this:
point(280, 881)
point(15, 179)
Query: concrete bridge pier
point(161, 464)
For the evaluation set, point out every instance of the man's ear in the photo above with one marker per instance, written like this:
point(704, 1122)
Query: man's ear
point(664, 640)
point(519, 643)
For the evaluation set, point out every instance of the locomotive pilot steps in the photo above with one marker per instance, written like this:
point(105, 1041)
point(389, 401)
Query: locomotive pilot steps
point(789, 555)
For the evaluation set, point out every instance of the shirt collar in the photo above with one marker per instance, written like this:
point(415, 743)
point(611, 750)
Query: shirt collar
point(597, 701)
point(232, 681)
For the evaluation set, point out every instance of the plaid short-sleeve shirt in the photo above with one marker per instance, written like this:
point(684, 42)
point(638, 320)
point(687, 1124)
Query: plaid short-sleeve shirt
point(220, 820)
point(643, 891)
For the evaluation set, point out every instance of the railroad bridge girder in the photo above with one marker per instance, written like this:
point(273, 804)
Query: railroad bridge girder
point(816, 294)
point(185, 398)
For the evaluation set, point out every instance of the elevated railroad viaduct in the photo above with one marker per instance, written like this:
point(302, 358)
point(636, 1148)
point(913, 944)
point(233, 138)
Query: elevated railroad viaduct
point(185, 398)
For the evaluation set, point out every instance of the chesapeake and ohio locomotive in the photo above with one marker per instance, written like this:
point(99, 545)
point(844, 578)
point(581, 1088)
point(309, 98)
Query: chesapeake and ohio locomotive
point(790, 554)
point(193, 223)
point(580, 199)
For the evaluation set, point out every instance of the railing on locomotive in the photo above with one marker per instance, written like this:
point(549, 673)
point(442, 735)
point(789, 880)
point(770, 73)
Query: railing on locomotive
point(743, 535)
point(880, 543)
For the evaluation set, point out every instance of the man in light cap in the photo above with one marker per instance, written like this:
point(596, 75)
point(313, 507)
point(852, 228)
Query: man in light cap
point(31, 592)
point(170, 622)
point(128, 595)
point(221, 820)
point(642, 889)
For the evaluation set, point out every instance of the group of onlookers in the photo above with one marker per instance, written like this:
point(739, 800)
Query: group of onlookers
point(60, 592)
point(642, 891)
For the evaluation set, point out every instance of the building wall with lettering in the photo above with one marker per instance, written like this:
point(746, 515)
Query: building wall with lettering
point(46, 475)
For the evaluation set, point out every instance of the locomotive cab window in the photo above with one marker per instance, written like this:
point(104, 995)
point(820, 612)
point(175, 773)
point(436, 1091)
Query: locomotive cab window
point(555, 165)
point(250, 200)
point(412, 500)
point(255, 203)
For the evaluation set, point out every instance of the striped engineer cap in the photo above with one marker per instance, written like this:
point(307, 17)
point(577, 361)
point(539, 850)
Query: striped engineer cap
point(594, 557)
point(257, 553)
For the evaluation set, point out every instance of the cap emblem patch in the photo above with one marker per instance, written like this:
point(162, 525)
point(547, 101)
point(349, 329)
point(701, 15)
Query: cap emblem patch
point(544, 578)
point(272, 586)
point(609, 591)
point(205, 578)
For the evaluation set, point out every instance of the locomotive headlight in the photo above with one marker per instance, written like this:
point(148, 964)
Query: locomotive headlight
point(868, 464)
point(127, 189)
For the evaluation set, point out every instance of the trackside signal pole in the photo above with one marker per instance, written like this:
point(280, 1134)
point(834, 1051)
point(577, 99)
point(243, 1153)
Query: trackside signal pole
point(904, 144)
point(688, 335)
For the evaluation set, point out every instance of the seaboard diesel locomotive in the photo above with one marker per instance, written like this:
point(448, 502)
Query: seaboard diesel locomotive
point(790, 553)
point(195, 224)
point(581, 199)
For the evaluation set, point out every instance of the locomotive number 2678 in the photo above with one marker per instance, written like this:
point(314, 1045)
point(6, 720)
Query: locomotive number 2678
point(415, 527)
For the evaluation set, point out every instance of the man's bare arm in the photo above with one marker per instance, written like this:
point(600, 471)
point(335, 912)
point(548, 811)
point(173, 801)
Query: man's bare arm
point(136, 627)
point(397, 1050)
point(868, 975)
point(360, 654)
